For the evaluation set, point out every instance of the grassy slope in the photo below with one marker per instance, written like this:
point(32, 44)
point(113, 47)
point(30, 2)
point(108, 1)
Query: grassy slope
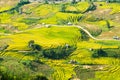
point(56, 36)
point(44, 36)
point(46, 13)
point(96, 18)
point(7, 4)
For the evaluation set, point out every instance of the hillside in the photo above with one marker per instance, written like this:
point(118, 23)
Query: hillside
point(59, 40)
point(7, 4)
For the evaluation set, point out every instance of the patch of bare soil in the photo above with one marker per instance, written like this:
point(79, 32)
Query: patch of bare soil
point(4, 3)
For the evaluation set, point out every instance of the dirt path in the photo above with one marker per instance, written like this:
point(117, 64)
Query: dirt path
point(86, 31)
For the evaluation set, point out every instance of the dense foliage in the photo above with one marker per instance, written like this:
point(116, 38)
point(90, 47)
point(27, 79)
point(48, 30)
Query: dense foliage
point(33, 46)
point(59, 52)
point(115, 53)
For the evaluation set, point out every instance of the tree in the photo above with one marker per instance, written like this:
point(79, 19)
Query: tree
point(63, 7)
point(73, 2)
point(59, 52)
point(33, 46)
point(31, 43)
point(108, 24)
point(46, 2)
point(36, 47)
point(21, 2)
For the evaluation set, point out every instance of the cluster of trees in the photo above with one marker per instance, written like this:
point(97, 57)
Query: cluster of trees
point(58, 52)
point(23, 1)
point(109, 52)
point(99, 53)
point(90, 8)
point(33, 46)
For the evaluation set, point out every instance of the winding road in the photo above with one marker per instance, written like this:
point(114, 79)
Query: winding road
point(80, 27)
point(86, 31)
